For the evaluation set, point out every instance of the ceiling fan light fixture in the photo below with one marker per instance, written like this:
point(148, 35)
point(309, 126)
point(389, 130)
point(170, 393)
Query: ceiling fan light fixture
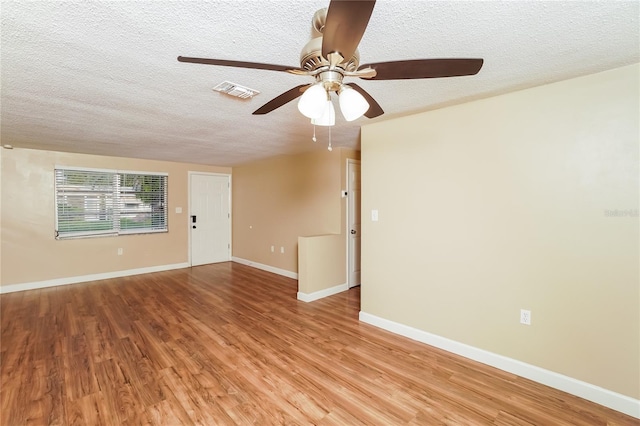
point(352, 104)
point(328, 117)
point(313, 101)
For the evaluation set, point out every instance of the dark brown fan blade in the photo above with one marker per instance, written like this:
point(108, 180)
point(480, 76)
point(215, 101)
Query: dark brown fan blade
point(237, 64)
point(375, 109)
point(344, 26)
point(424, 68)
point(282, 99)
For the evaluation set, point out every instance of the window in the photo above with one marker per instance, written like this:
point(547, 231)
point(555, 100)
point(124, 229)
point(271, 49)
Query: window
point(92, 202)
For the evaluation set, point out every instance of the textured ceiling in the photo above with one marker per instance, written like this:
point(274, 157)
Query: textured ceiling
point(101, 77)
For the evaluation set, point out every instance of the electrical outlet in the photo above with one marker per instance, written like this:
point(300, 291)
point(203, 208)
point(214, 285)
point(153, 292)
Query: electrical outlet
point(120, 252)
point(281, 249)
point(273, 249)
point(525, 317)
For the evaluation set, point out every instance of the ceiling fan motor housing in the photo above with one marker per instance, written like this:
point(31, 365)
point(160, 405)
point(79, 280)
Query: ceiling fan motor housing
point(311, 55)
point(311, 58)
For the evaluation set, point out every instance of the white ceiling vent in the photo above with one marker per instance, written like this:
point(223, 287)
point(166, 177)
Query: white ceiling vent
point(236, 90)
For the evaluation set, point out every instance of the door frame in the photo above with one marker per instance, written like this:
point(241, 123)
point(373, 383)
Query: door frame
point(228, 176)
point(347, 227)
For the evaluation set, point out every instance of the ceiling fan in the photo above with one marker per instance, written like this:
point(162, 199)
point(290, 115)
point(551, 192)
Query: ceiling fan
point(333, 56)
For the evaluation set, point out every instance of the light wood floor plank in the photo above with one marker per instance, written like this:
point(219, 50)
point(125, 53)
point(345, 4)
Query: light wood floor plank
point(227, 344)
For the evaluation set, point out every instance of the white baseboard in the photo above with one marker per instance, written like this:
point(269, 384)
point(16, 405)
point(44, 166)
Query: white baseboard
point(84, 278)
point(610, 399)
point(267, 268)
point(310, 297)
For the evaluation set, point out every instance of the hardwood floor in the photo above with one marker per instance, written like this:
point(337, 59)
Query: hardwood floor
point(228, 344)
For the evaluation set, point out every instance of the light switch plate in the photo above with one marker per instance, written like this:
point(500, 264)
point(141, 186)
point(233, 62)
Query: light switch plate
point(374, 215)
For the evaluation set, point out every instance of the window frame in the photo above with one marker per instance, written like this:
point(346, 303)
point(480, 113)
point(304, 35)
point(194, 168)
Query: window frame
point(117, 204)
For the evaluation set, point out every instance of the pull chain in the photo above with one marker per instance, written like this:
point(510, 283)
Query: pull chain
point(330, 148)
point(314, 133)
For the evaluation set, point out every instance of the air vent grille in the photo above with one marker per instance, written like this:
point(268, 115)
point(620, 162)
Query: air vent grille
point(233, 89)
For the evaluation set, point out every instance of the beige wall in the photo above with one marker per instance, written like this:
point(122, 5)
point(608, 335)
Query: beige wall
point(1, 151)
point(321, 263)
point(501, 204)
point(30, 253)
point(275, 201)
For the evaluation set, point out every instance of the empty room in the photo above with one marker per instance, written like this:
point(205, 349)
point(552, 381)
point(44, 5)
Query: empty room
point(320, 212)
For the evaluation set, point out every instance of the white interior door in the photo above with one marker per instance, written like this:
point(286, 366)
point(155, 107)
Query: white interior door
point(209, 218)
point(353, 196)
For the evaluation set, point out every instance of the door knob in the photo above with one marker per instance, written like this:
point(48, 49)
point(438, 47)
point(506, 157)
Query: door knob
point(353, 231)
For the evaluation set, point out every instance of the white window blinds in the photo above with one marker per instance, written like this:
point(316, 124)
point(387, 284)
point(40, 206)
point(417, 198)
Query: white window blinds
point(102, 202)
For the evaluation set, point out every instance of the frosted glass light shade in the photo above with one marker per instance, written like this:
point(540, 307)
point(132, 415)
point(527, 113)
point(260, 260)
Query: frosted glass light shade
point(328, 117)
point(352, 103)
point(312, 102)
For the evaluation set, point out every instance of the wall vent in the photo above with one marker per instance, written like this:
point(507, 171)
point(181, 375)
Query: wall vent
point(236, 90)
